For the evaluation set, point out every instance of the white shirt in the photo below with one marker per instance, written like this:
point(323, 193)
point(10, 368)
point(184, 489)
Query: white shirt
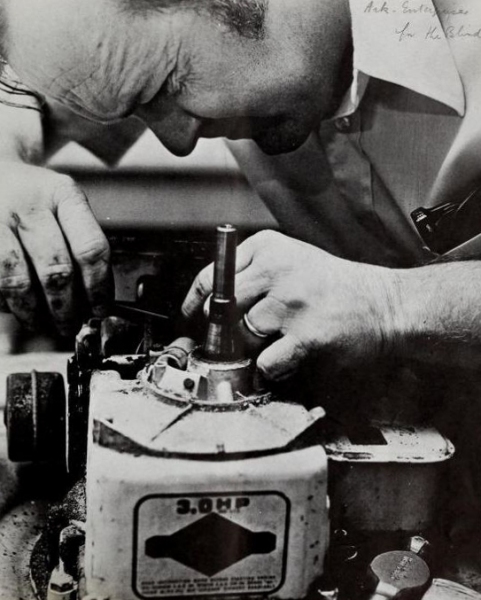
point(408, 134)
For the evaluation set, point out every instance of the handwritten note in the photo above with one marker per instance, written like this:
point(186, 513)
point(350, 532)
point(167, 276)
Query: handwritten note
point(423, 21)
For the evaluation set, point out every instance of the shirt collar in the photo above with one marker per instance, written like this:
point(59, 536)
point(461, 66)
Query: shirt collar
point(409, 49)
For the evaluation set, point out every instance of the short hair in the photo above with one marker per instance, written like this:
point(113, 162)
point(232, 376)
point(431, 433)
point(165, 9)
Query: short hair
point(246, 17)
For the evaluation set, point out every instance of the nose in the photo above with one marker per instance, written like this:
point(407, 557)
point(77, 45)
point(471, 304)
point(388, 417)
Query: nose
point(176, 129)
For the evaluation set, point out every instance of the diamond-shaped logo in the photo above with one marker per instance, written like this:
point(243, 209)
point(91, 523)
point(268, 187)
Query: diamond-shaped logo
point(211, 544)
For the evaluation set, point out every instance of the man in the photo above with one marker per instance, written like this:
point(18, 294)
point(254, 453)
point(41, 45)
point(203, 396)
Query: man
point(375, 104)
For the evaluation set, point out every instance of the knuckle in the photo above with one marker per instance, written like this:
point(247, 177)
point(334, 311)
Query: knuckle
point(296, 308)
point(300, 345)
point(276, 305)
point(266, 236)
point(56, 278)
point(65, 185)
point(286, 305)
point(28, 212)
point(10, 262)
point(67, 190)
point(295, 295)
point(15, 285)
point(33, 217)
point(94, 254)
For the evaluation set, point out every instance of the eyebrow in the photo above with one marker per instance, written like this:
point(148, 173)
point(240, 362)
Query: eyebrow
point(247, 17)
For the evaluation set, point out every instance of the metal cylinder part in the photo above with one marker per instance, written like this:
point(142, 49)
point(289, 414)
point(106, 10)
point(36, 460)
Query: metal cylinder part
point(224, 271)
point(220, 344)
point(225, 381)
point(177, 353)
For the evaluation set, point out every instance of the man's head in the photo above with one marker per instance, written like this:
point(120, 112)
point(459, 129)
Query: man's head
point(265, 69)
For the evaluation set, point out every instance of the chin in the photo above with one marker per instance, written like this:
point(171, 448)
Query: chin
point(272, 149)
point(282, 140)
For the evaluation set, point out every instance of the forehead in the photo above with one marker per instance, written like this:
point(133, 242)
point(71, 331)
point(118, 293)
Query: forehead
point(88, 54)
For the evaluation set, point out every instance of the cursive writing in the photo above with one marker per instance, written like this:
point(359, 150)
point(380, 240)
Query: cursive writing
point(409, 20)
point(377, 7)
point(410, 8)
point(405, 32)
point(452, 33)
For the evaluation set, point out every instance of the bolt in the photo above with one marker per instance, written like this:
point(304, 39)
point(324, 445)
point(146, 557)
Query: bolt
point(189, 384)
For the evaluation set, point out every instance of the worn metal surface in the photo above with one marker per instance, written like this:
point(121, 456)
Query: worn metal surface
point(392, 485)
point(20, 529)
point(208, 437)
point(397, 444)
point(442, 589)
point(132, 411)
point(464, 560)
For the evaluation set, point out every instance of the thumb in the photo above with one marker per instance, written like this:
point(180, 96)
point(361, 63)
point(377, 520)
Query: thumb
point(282, 358)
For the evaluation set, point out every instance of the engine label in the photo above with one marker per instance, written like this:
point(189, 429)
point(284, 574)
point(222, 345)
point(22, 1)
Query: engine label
point(210, 544)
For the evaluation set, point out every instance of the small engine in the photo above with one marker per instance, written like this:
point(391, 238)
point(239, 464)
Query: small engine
point(197, 479)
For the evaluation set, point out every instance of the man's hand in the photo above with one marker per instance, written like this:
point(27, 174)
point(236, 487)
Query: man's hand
point(53, 254)
point(309, 301)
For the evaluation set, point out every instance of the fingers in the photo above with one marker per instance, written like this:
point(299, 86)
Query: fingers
point(198, 292)
point(45, 245)
point(16, 289)
point(56, 249)
point(53, 254)
point(202, 285)
point(250, 285)
point(255, 268)
point(88, 246)
point(282, 358)
point(262, 325)
point(267, 316)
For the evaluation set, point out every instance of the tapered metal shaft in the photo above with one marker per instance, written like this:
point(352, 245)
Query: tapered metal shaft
point(220, 342)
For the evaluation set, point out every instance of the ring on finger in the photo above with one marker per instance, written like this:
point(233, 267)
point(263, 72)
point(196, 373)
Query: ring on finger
point(252, 329)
